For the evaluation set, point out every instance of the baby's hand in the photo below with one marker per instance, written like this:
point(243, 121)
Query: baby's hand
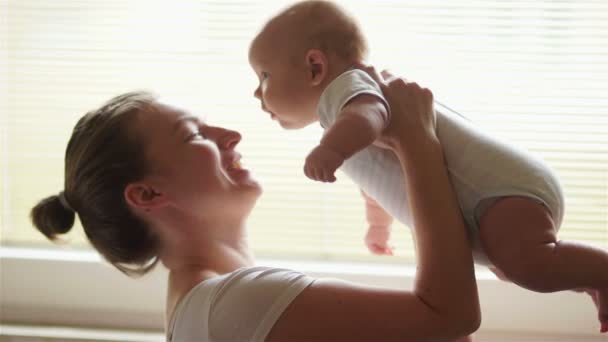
point(377, 238)
point(322, 163)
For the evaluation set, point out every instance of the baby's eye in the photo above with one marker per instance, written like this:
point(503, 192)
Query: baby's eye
point(264, 75)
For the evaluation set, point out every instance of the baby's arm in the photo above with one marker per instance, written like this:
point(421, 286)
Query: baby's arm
point(379, 230)
point(358, 125)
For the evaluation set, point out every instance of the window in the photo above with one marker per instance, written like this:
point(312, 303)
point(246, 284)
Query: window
point(532, 72)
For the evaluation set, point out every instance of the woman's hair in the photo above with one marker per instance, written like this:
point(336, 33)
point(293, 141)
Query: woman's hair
point(105, 153)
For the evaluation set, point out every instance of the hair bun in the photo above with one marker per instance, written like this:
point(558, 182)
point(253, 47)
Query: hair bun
point(52, 218)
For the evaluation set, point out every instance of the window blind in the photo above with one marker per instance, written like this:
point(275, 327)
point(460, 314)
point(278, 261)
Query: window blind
point(531, 72)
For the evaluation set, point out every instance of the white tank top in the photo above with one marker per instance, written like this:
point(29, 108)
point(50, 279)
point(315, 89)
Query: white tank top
point(239, 306)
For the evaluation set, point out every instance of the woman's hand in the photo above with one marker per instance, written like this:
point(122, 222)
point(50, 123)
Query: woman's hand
point(412, 112)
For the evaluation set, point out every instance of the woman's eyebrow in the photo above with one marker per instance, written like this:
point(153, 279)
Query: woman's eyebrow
point(183, 118)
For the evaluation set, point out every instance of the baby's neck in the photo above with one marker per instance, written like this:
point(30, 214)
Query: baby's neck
point(335, 67)
point(338, 67)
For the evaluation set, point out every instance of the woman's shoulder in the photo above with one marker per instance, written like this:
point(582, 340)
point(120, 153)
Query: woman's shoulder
point(260, 274)
point(248, 281)
point(252, 296)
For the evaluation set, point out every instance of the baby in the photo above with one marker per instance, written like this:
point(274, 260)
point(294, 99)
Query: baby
point(305, 59)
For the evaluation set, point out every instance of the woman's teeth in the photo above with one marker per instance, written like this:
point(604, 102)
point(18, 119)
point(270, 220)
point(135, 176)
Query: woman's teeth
point(236, 165)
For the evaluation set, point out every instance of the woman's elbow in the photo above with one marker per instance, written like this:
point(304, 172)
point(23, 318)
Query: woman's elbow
point(458, 324)
point(472, 324)
point(466, 323)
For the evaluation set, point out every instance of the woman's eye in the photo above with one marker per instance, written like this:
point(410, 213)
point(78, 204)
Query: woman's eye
point(196, 135)
point(264, 75)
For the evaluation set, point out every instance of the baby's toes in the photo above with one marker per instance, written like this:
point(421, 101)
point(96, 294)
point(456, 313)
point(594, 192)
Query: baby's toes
point(602, 301)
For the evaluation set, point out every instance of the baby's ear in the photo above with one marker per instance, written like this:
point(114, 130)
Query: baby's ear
point(316, 61)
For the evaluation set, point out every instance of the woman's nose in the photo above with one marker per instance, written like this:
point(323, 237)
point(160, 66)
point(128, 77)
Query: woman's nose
point(257, 93)
point(230, 139)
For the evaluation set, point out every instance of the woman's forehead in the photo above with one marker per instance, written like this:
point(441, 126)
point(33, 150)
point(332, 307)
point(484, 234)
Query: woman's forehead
point(166, 116)
point(178, 114)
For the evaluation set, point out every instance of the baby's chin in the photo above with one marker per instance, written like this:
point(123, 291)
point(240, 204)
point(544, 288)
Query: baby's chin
point(292, 125)
point(289, 126)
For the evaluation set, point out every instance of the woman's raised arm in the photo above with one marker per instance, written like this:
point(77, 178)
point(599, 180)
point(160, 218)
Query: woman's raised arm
point(443, 304)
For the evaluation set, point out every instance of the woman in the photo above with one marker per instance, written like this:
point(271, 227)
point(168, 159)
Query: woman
point(150, 182)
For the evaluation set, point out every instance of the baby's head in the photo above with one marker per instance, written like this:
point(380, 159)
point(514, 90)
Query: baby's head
point(298, 53)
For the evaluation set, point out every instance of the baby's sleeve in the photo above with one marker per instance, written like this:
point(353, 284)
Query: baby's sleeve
point(248, 304)
point(344, 88)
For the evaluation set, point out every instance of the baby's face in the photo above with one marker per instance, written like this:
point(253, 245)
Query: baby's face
point(284, 88)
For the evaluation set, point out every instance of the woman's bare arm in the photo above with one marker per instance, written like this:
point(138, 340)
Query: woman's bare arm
point(443, 304)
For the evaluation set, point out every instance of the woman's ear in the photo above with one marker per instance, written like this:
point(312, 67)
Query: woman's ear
point(316, 61)
point(143, 196)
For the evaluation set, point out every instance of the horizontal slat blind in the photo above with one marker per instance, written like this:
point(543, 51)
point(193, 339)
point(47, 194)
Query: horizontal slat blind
point(532, 72)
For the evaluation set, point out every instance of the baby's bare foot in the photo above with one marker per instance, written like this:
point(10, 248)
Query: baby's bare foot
point(600, 299)
point(602, 308)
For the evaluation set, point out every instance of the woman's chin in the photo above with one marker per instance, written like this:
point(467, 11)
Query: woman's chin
point(256, 188)
point(250, 198)
point(251, 186)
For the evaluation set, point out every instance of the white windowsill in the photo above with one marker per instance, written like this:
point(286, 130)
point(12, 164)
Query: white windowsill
point(75, 288)
point(78, 334)
point(65, 334)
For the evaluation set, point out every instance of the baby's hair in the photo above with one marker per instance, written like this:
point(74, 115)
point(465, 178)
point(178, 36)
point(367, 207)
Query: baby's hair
point(104, 154)
point(326, 26)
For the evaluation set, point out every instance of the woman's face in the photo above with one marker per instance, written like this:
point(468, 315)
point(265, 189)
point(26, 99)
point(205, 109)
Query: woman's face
point(195, 165)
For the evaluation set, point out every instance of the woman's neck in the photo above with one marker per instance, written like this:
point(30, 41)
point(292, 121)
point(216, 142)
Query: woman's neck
point(195, 243)
point(218, 254)
point(199, 258)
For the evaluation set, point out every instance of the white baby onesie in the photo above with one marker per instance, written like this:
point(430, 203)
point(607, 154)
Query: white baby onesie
point(481, 168)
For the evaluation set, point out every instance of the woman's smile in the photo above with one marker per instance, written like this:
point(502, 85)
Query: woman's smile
point(236, 172)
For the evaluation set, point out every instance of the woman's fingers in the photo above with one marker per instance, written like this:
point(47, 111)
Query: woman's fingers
point(384, 77)
point(411, 105)
point(428, 93)
point(371, 71)
point(389, 76)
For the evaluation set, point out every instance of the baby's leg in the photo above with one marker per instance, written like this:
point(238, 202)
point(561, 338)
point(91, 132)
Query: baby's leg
point(519, 237)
